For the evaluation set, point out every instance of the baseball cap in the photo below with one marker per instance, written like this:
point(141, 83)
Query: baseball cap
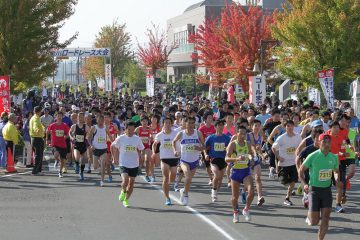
point(166, 109)
point(178, 114)
point(73, 107)
point(324, 136)
point(316, 123)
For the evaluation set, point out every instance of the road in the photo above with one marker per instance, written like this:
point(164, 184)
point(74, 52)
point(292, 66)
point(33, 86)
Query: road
point(46, 207)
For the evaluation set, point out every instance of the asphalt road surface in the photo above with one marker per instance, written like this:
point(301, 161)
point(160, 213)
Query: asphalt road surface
point(49, 208)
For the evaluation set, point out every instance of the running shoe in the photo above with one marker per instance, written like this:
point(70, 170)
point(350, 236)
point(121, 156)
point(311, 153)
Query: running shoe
point(287, 202)
point(243, 197)
point(60, 175)
point(182, 196)
point(122, 196)
point(236, 217)
point(272, 173)
point(110, 179)
point(213, 195)
point(101, 183)
point(307, 220)
point(81, 176)
point(339, 209)
point(152, 179)
point(168, 202)
point(126, 203)
point(147, 179)
point(176, 187)
point(293, 193)
point(246, 214)
point(229, 184)
point(186, 200)
point(77, 169)
point(261, 201)
point(112, 167)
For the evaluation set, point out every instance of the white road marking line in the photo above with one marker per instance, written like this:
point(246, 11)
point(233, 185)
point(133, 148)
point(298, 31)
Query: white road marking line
point(15, 174)
point(200, 215)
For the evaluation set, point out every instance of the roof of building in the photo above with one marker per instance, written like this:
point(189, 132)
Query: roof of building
point(208, 3)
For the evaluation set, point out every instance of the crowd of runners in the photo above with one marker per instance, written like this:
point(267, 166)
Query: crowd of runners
point(307, 149)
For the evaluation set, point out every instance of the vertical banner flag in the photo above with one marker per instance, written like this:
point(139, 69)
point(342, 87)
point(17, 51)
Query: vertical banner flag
point(108, 79)
point(4, 94)
point(314, 95)
point(257, 90)
point(150, 85)
point(326, 78)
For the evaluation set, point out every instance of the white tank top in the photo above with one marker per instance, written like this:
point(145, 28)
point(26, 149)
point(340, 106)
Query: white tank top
point(188, 143)
point(99, 140)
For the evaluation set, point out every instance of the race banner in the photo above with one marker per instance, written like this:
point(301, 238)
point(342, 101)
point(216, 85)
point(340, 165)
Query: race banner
point(314, 95)
point(257, 90)
point(108, 80)
point(81, 52)
point(150, 85)
point(326, 78)
point(4, 94)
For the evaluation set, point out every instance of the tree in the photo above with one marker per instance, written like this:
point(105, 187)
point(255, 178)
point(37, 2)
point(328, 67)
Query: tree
point(93, 68)
point(116, 38)
point(155, 54)
point(319, 35)
point(29, 30)
point(230, 46)
point(135, 76)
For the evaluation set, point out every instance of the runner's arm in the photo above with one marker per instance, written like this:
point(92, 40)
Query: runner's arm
point(229, 152)
point(177, 138)
point(90, 136)
point(72, 131)
point(272, 135)
point(300, 147)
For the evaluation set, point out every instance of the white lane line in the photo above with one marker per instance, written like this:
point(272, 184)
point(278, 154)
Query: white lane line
point(200, 215)
point(15, 174)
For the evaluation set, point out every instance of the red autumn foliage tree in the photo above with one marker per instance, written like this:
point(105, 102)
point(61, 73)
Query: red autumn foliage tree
point(229, 46)
point(155, 54)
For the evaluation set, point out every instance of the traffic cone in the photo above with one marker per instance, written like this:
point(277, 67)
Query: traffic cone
point(348, 185)
point(10, 163)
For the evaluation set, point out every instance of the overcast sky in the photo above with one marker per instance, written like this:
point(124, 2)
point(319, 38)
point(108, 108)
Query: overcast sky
point(91, 15)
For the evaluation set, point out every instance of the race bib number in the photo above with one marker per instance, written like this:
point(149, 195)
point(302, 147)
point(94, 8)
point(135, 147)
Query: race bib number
point(101, 140)
point(59, 133)
point(130, 148)
point(325, 175)
point(167, 145)
point(290, 150)
point(219, 147)
point(145, 140)
point(80, 138)
point(241, 164)
point(190, 148)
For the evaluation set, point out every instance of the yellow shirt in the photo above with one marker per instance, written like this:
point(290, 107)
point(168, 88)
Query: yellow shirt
point(10, 133)
point(36, 129)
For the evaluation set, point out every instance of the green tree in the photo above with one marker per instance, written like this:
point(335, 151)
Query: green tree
point(116, 38)
point(319, 35)
point(135, 76)
point(29, 30)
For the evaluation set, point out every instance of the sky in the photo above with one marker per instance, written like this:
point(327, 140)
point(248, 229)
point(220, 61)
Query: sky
point(91, 15)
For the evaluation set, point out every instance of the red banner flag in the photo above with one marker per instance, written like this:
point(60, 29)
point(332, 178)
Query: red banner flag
point(4, 94)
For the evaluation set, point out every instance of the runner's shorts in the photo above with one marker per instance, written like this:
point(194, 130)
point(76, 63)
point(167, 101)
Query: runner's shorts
point(68, 145)
point(219, 162)
point(320, 198)
point(239, 175)
point(61, 151)
point(192, 165)
point(99, 152)
point(172, 162)
point(80, 147)
point(288, 174)
point(131, 172)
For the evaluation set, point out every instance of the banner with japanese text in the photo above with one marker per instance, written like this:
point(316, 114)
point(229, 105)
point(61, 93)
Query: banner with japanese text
point(257, 90)
point(108, 80)
point(4, 94)
point(314, 95)
point(326, 78)
point(150, 85)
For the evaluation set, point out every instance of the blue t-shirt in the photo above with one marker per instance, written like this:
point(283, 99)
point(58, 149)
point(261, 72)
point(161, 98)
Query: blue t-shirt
point(263, 118)
point(354, 122)
point(217, 145)
point(67, 121)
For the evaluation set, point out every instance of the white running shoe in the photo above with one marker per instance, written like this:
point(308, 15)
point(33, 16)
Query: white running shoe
point(186, 200)
point(272, 173)
point(307, 220)
point(60, 175)
point(101, 183)
point(213, 195)
point(182, 195)
point(246, 213)
point(236, 217)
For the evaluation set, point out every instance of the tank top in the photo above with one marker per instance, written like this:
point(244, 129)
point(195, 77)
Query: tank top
point(99, 140)
point(352, 138)
point(144, 134)
point(188, 143)
point(154, 132)
point(241, 150)
point(80, 135)
point(256, 141)
point(230, 132)
point(112, 131)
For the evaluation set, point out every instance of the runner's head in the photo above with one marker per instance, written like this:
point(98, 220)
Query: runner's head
point(276, 115)
point(243, 122)
point(219, 125)
point(74, 117)
point(296, 118)
point(130, 127)
point(284, 118)
point(256, 127)
point(241, 133)
point(144, 121)
point(325, 142)
point(229, 119)
point(167, 123)
point(100, 120)
point(289, 127)
point(59, 116)
point(334, 127)
point(344, 121)
point(107, 118)
point(81, 117)
point(208, 117)
point(190, 123)
point(315, 133)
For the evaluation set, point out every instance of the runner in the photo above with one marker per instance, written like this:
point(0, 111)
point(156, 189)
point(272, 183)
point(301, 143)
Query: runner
point(240, 154)
point(97, 140)
point(215, 153)
point(169, 162)
point(126, 152)
point(145, 135)
point(284, 150)
point(229, 130)
point(192, 143)
point(59, 133)
point(78, 134)
point(320, 164)
point(113, 131)
point(89, 153)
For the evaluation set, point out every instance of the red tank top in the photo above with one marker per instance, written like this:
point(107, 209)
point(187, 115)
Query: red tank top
point(144, 134)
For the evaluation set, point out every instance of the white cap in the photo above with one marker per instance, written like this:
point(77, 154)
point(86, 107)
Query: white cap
point(178, 114)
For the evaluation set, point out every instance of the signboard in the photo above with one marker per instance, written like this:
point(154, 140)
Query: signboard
point(314, 95)
point(257, 90)
point(4, 94)
point(326, 78)
point(81, 52)
point(150, 85)
point(108, 80)
point(239, 93)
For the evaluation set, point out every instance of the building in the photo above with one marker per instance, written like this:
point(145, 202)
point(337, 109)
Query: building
point(67, 72)
point(179, 28)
